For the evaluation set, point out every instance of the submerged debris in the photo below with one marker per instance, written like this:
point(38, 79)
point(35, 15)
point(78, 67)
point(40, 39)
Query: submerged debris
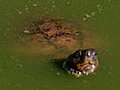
point(81, 62)
point(55, 32)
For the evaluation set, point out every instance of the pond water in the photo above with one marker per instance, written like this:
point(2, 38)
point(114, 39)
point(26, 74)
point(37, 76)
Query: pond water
point(30, 70)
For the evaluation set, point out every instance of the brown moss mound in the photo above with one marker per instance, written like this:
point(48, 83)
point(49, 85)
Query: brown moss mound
point(55, 32)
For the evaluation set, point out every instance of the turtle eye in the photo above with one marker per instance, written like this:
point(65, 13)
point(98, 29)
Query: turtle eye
point(88, 54)
point(94, 53)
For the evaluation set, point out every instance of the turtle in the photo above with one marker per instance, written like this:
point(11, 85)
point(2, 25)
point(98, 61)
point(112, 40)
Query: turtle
point(81, 62)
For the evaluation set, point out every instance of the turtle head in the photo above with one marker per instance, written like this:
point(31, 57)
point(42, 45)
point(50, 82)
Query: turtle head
point(90, 54)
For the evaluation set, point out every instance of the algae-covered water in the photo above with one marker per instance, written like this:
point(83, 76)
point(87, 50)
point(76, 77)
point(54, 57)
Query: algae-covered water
point(28, 69)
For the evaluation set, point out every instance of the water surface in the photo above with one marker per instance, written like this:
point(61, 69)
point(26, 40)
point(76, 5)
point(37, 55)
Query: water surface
point(31, 71)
